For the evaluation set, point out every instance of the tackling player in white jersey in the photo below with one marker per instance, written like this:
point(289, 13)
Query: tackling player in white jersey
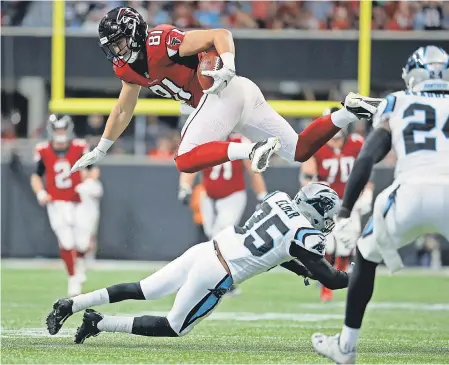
point(283, 231)
point(415, 123)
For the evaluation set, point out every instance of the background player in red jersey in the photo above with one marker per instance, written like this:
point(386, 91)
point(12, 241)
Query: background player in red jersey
point(224, 200)
point(54, 160)
point(332, 165)
point(165, 59)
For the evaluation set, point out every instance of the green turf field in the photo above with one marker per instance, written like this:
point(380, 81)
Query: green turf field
point(270, 322)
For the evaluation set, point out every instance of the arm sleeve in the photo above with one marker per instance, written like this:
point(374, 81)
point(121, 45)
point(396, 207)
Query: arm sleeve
point(296, 267)
point(40, 168)
point(320, 269)
point(375, 149)
point(173, 40)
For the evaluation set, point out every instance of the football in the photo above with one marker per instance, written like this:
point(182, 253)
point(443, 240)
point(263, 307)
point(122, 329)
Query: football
point(211, 61)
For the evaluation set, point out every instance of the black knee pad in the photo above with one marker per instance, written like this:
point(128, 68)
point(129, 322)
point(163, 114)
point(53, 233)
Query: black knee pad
point(153, 326)
point(125, 291)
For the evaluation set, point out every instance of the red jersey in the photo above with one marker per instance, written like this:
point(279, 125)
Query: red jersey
point(60, 182)
point(166, 73)
point(334, 166)
point(225, 179)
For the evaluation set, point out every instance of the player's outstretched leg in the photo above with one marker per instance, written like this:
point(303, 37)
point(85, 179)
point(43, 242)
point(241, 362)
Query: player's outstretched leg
point(163, 282)
point(215, 153)
point(341, 348)
point(95, 322)
point(324, 128)
point(64, 308)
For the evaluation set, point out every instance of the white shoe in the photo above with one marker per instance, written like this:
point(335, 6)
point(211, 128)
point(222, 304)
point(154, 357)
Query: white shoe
point(262, 152)
point(74, 286)
point(361, 106)
point(329, 346)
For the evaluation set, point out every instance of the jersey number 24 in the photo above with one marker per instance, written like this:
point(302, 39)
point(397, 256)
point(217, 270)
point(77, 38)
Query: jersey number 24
point(426, 124)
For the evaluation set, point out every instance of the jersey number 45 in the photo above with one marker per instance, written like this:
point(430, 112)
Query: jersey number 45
point(262, 230)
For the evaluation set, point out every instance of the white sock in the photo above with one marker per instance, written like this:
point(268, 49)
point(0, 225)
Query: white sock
point(239, 151)
point(342, 118)
point(80, 266)
point(84, 301)
point(116, 324)
point(348, 338)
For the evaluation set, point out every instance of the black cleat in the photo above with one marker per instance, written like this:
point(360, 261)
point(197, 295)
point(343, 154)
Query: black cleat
point(89, 326)
point(62, 310)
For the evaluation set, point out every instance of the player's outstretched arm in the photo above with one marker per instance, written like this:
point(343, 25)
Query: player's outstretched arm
point(117, 122)
point(186, 182)
point(296, 267)
point(320, 269)
point(308, 171)
point(122, 112)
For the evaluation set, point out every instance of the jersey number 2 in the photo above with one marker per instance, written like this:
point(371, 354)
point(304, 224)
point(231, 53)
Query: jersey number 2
point(426, 125)
point(62, 175)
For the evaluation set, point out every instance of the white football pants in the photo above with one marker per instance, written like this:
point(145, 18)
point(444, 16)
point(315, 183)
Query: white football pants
point(200, 280)
point(241, 108)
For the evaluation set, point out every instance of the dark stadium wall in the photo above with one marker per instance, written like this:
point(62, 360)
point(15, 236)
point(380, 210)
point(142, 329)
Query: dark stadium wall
point(141, 217)
point(308, 59)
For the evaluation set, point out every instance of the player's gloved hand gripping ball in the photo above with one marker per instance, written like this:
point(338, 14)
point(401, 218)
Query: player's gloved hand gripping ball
point(215, 72)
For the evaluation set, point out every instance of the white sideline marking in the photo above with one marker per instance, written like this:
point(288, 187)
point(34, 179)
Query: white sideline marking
point(114, 265)
point(383, 305)
point(35, 332)
point(248, 316)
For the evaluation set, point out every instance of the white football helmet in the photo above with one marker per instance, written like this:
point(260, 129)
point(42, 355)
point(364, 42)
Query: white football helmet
point(60, 130)
point(427, 70)
point(319, 204)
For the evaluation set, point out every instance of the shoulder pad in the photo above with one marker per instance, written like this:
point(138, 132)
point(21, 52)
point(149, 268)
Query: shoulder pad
point(268, 196)
point(384, 110)
point(42, 145)
point(311, 239)
point(79, 142)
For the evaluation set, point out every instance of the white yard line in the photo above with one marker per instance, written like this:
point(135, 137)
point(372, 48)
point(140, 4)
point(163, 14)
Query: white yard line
point(108, 265)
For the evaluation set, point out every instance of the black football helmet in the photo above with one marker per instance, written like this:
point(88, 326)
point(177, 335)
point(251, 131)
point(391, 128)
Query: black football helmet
point(122, 33)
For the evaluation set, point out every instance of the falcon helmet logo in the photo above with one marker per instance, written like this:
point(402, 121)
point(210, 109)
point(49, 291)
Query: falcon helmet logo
point(128, 16)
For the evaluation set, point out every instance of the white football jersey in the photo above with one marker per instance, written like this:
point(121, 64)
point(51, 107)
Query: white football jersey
point(265, 239)
point(419, 124)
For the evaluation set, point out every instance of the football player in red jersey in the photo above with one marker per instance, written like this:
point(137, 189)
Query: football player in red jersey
point(165, 59)
point(224, 200)
point(54, 160)
point(332, 165)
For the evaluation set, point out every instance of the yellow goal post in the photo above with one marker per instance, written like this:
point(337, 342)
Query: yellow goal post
point(289, 108)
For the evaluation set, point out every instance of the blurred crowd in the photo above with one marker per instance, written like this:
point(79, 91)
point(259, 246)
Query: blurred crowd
point(335, 15)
